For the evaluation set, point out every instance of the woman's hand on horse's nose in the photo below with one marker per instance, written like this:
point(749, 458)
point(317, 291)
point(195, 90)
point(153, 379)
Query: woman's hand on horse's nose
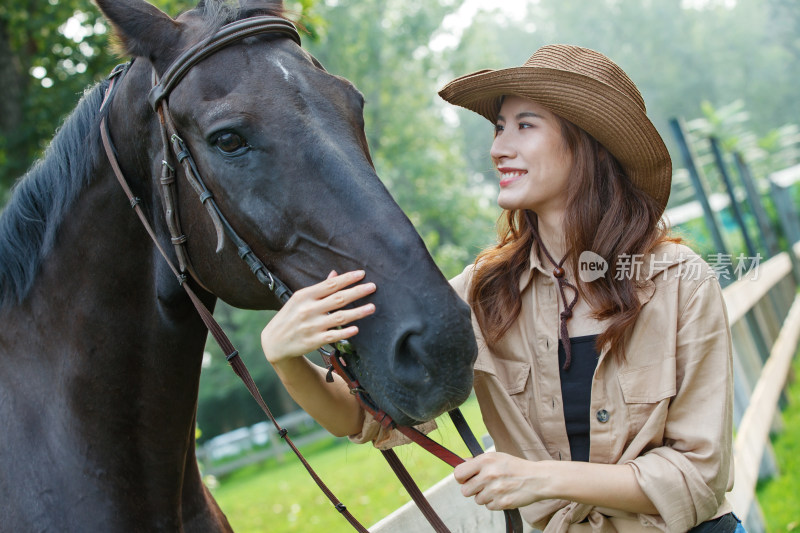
point(314, 317)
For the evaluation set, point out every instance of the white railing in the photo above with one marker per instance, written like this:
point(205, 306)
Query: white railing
point(230, 451)
point(752, 442)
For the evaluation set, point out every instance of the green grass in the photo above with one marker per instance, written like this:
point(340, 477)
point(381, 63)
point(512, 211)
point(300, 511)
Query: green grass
point(780, 497)
point(282, 497)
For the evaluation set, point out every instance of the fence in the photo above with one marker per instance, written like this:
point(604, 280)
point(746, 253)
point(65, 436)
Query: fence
point(764, 313)
point(249, 445)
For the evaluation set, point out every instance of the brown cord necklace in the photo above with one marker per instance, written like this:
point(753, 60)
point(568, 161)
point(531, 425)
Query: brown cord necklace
point(558, 273)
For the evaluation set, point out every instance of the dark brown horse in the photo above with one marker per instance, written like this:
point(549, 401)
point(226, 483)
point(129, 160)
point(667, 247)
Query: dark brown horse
point(101, 348)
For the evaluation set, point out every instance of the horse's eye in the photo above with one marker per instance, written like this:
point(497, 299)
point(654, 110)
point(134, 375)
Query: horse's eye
point(230, 142)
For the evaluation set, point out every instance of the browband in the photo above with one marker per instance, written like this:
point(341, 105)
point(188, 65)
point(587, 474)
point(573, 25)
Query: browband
point(227, 35)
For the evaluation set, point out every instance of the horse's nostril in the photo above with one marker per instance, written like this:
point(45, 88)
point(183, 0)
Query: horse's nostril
point(409, 363)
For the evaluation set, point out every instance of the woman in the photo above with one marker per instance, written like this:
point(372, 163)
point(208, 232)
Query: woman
point(604, 374)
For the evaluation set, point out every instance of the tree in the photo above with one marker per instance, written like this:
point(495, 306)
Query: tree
point(43, 72)
point(224, 403)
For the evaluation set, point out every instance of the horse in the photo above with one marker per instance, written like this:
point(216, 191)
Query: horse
point(100, 345)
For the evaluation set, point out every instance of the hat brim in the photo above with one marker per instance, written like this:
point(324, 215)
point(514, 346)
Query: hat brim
point(606, 114)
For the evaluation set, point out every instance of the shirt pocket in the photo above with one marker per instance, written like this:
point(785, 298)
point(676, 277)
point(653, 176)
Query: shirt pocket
point(513, 378)
point(645, 388)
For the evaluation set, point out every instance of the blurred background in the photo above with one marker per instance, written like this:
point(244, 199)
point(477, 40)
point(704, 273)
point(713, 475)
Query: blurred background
point(714, 73)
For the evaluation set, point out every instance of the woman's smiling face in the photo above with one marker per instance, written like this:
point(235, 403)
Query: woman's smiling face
point(531, 157)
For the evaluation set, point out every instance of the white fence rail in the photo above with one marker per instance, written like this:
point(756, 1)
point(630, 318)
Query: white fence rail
point(752, 450)
point(245, 446)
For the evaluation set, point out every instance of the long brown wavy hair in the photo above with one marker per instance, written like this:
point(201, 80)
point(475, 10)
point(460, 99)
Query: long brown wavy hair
point(605, 214)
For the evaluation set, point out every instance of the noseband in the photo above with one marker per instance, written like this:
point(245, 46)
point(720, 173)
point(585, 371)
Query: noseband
point(176, 153)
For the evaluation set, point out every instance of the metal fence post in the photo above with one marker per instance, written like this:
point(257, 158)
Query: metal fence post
point(779, 299)
point(788, 218)
point(753, 194)
point(700, 191)
point(726, 180)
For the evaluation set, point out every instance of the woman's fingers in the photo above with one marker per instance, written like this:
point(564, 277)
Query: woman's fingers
point(469, 468)
point(467, 475)
point(347, 296)
point(345, 316)
point(501, 481)
point(332, 336)
point(314, 316)
point(332, 284)
point(336, 292)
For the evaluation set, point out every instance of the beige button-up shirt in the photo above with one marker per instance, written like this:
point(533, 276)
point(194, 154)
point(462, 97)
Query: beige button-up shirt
point(666, 410)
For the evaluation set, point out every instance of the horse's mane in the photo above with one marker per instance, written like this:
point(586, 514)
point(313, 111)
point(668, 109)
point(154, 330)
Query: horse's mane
point(39, 200)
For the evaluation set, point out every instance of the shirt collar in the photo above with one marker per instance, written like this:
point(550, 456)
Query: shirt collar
point(534, 263)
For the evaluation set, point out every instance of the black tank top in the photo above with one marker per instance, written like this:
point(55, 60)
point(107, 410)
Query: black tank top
point(576, 392)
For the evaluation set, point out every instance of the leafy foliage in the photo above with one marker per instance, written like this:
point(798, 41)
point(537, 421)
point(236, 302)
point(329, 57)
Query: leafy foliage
point(224, 403)
point(46, 73)
point(50, 51)
point(732, 125)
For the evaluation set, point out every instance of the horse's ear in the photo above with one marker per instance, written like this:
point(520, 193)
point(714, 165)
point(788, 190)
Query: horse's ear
point(141, 29)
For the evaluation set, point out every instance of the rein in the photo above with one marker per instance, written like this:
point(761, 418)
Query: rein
point(175, 145)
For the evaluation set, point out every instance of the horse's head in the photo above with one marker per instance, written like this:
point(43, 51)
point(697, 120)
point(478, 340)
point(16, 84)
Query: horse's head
point(280, 143)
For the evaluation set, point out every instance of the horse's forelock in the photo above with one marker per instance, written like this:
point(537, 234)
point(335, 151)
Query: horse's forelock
point(217, 13)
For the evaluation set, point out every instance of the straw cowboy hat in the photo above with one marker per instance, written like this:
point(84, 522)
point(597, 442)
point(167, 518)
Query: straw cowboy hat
point(587, 89)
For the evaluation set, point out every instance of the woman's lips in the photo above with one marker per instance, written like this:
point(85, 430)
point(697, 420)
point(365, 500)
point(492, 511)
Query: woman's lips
point(510, 175)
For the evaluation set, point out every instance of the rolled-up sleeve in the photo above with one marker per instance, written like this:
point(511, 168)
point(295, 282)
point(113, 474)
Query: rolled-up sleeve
point(686, 479)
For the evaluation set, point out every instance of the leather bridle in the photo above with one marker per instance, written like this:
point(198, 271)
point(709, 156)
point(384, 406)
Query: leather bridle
point(176, 153)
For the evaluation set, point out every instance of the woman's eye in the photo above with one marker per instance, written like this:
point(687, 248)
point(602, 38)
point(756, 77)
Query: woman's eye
point(525, 125)
point(498, 128)
point(230, 142)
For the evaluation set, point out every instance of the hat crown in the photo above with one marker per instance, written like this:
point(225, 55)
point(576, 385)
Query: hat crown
point(588, 63)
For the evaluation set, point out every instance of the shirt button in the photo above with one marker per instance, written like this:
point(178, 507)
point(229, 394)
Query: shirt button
point(602, 416)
